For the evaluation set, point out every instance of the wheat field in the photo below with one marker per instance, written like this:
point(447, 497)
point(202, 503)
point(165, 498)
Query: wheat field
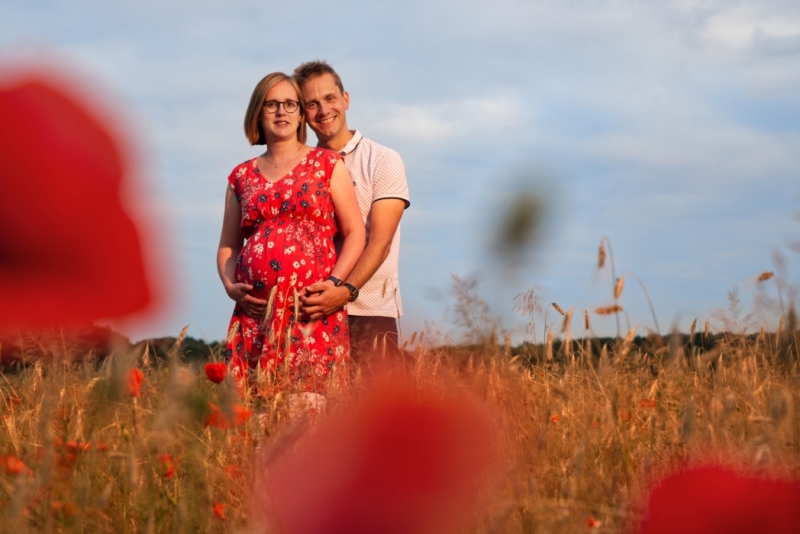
point(582, 427)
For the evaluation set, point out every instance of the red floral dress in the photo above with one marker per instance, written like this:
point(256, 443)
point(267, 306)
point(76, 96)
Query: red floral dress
point(288, 226)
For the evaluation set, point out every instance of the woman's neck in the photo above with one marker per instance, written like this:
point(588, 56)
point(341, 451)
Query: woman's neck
point(282, 149)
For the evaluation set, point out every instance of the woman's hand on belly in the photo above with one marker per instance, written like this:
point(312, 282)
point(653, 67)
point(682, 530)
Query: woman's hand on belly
point(241, 294)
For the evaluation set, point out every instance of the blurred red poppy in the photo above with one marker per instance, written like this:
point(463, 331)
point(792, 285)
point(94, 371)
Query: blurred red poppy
point(218, 418)
point(402, 461)
point(555, 418)
point(13, 400)
point(219, 510)
point(722, 500)
point(647, 403)
point(216, 371)
point(13, 466)
point(234, 471)
point(167, 466)
point(76, 447)
point(64, 509)
point(133, 382)
point(70, 252)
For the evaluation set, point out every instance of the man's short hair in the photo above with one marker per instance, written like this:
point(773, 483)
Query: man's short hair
point(312, 69)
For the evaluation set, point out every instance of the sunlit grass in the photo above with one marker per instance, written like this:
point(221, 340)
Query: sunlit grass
point(579, 436)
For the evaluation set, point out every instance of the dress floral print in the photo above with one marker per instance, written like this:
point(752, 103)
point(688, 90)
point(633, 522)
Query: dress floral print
point(288, 226)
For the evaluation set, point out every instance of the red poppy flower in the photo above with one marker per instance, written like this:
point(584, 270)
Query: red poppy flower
point(219, 510)
point(555, 418)
point(66, 461)
point(647, 403)
point(591, 523)
point(218, 418)
point(233, 471)
point(402, 461)
point(64, 509)
point(14, 466)
point(76, 447)
point(71, 254)
point(216, 372)
point(101, 446)
point(167, 466)
point(13, 400)
point(720, 500)
point(133, 382)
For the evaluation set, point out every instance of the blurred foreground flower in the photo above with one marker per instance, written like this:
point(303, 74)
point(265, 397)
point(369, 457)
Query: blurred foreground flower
point(133, 382)
point(167, 466)
point(216, 372)
point(720, 500)
point(70, 252)
point(401, 461)
point(219, 510)
point(14, 466)
point(234, 471)
point(63, 509)
point(218, 418)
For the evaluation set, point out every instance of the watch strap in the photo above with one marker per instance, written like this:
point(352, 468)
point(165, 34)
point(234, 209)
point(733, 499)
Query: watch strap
point(353, 291)
point(335, 281)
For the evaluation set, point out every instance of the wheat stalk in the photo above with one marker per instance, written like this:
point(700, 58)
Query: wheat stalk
point(619, 286)
point(608, 310)
point(601, 255)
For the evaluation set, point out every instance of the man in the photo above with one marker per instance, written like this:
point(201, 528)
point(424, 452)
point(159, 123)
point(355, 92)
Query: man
point(371, 292)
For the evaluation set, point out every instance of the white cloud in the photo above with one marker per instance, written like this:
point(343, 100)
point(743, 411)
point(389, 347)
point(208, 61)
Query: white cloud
point(444, 121)
point(739, 27)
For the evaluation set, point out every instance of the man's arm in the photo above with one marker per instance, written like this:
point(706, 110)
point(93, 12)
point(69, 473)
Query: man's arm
point(324, 298)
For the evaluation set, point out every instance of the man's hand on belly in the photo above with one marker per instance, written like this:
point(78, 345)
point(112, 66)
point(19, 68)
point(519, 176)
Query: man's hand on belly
point(322, 299)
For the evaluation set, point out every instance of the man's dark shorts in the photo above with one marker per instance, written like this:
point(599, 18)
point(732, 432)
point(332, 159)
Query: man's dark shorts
point(373, 338)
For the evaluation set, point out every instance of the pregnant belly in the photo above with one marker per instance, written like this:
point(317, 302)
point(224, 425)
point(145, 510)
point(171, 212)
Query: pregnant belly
point(284, 263)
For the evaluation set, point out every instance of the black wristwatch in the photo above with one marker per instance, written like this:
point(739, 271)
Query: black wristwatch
point(353, 289)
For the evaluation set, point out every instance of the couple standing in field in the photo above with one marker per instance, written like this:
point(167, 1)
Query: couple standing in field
point(310, 237)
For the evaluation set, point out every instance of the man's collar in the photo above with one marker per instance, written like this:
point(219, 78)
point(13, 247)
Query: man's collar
point(351, 144)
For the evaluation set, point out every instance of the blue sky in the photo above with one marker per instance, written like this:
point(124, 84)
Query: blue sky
point(672, 128)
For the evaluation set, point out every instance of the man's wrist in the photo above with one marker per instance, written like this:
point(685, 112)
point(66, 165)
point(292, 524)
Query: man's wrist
point(343, 295)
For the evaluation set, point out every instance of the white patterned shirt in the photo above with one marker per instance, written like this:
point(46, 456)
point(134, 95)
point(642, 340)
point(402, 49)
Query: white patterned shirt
point(377, 173)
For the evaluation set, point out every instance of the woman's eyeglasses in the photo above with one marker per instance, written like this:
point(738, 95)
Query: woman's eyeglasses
point(289, 106)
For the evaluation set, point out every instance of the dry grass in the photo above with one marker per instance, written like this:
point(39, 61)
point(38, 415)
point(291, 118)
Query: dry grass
point(578, 437)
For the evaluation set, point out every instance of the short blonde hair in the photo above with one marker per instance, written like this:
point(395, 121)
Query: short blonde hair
point(252, 124)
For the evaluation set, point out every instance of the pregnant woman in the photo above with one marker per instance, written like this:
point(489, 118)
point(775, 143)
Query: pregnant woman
point(281, 214)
